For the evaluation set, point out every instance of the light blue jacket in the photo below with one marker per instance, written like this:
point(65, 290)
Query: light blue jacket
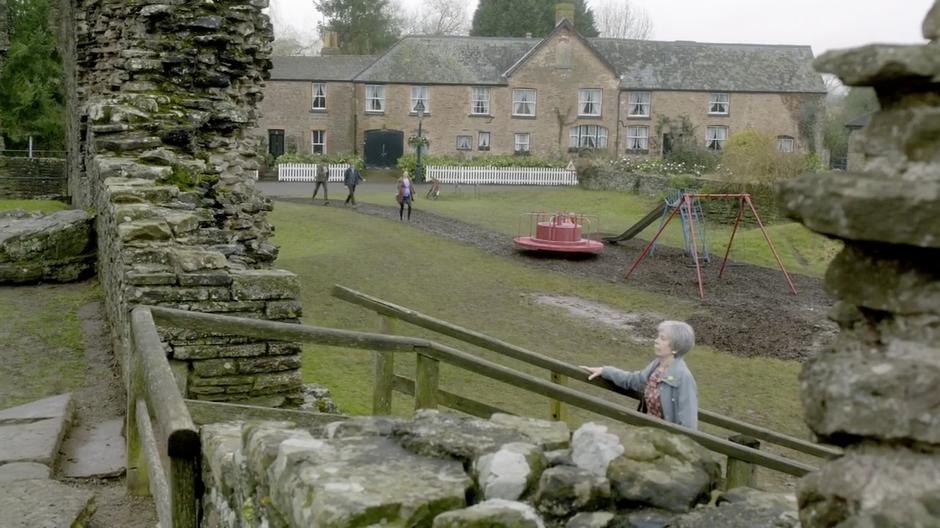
point(678, 392)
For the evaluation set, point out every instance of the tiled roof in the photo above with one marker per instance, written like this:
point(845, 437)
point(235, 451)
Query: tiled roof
point(448, 60)
point(325, 68)
point(655, 65)
point(641, 64)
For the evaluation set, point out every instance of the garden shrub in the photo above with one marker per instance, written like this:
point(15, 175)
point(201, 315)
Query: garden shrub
point(753, 156)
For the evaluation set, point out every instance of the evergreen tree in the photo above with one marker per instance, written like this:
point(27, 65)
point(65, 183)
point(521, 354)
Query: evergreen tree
point(364, 26)
point(500, 18)
point(32, 101)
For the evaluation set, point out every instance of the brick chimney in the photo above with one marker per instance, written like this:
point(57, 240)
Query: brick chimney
point(562, 11)
point(330, 42)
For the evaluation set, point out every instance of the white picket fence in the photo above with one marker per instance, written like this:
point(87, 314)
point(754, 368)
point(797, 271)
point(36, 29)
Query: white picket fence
point(307, 172)
point(502, 175)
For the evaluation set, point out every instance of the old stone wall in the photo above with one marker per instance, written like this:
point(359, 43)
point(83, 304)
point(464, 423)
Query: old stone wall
point(39, 178)
point(160, 97)
point(443, 471)
point(875, 392)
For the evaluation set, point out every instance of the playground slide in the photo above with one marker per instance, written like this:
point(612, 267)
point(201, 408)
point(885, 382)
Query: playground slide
point(635, 229)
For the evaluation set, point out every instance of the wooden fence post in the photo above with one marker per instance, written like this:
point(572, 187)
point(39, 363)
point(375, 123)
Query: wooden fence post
point(556, 408)
point(426, 379)
point(384, 373)
point(741, 473)
point(138, 474)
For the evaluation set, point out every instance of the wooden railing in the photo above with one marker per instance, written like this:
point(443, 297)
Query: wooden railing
point(162, 440)
point(425, 388)
point(558, 372)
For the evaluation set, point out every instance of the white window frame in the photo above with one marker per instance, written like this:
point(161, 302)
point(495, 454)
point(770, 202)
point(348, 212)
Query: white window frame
point(522, 142)
point(715, 137)
point(520, 98)
point(484, 144)
point(638, 138)
point(786, 144)
point(465, 142)
point(479, 100)
point(590, 101)
point(421, 93)
point(639, 104)
point(314, 143)
point(587, 136)
point(375, 98)
point(719, 103)
point(318, 93)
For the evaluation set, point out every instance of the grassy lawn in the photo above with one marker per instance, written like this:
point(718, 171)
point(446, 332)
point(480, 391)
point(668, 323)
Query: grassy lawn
point(326, 246)
point(801, 250)
point(44, 206)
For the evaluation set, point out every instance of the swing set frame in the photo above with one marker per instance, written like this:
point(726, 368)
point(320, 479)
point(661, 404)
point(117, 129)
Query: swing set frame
point(686, 202)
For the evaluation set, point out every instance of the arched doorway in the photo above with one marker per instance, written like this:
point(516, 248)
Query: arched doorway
point(383, 147)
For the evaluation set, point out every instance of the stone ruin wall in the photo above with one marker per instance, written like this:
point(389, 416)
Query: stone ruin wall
point(161, 95)
point(876, 391)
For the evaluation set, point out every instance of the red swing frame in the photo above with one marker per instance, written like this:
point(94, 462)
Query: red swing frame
point(686, 201)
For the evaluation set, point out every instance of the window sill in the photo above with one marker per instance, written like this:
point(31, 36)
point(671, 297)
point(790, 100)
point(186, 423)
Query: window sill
point(518, 116)
point(585, 116)
point(726, 114)
point(375, 112)
point(415, 114)
point(640, 117)
point(483, 148)
point(318, 110)
point(480, 115)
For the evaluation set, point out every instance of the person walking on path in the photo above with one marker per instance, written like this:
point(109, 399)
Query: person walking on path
point(352, 178)
point(406, 195)
point(666, 385)
point(323, 176)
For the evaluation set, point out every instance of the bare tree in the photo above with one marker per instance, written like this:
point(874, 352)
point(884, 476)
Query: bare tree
point(438, 17)
point(620, 19)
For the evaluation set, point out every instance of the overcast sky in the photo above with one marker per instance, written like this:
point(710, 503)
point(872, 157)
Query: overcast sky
point(823, 24)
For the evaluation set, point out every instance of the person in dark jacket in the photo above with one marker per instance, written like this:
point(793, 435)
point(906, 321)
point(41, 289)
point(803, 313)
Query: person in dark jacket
point(352, 178)
point(667, 387)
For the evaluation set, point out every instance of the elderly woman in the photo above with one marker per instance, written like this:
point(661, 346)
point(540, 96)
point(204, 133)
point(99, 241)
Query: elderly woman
point(668, 388)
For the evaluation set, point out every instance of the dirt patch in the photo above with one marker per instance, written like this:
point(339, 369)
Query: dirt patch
point(639, 327)
point(750, 312)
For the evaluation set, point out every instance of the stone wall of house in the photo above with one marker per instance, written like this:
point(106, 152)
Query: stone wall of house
point(773, 114)
point(160, 99)
point(286, 106)
point(446, 471)
point(875, 391)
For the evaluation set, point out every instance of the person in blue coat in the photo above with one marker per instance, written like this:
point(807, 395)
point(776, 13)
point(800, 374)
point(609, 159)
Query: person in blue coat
point(667, 387)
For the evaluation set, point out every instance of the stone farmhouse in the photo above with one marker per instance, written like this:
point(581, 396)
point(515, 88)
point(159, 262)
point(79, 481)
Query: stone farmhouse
point(547, 96)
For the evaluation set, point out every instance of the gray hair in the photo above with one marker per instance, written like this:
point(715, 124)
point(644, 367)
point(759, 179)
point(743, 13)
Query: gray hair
point(680, 335)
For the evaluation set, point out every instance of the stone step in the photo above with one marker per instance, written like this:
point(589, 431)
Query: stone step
point(34, 432)
point(96, 451)
point(43, 503)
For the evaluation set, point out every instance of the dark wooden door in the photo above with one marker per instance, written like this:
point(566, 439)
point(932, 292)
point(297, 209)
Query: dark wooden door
point(276, 142)
point(383, 147)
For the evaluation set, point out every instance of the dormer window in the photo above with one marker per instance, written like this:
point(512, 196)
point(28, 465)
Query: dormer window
point(719, 104)
point(589, 102)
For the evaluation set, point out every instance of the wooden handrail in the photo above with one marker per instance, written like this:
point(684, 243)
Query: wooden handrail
point(427, 395)
point(560, 367)
point(165, 460)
